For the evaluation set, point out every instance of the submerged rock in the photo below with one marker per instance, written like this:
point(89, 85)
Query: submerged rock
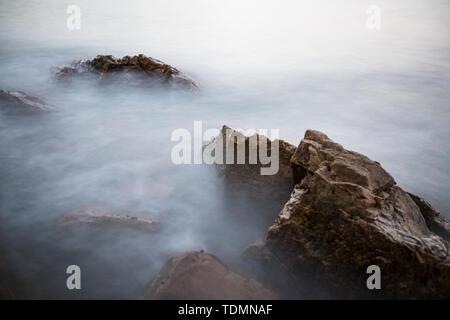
point(99, 218)
point(200, 275)
point(345, 214)
point(246, 177)
point(140, 69)
point(24, 101)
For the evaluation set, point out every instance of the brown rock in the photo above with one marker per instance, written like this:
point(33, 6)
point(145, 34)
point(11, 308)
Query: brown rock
point(199, 275)
point(317, 152)
point(140, 70)
point(24, 101)
point(346, 214)
point(435, 221)
point(247, 177)
point(99, 218)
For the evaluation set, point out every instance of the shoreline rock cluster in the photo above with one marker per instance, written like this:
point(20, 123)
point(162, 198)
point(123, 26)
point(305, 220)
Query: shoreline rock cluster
point(137, 70)
point(344, 214)
point(347, 213)
point(340, 212)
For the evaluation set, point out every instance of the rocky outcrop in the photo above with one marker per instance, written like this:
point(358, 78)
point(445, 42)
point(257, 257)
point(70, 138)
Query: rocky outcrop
point(140, 70)
point(23, 101)
point(200, 275)
point(99, 218)
point(246, 177)
point(435, 221)
point(345, 214)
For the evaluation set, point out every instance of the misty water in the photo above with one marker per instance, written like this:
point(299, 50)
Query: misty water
point(288, 65)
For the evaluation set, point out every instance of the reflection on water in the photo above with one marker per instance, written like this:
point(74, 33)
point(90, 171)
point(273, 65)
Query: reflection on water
point(260, 64)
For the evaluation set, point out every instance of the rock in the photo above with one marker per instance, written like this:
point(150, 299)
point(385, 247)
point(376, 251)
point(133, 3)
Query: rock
point(345, 214)
point(317, 153)
point(259, 261)
point(247, 177)
point(99, 218)
point(140, 70)
point(435, 221)
point(24, 101)
point(200, 275)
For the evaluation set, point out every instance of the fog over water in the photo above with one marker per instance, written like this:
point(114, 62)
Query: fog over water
point(290, 65)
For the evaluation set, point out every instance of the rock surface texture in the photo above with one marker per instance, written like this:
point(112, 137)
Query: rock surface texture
point(24, 101)
point(345, 214)
point(99, 218)
point(140, 70)
point(246, 177)
point(199, 275)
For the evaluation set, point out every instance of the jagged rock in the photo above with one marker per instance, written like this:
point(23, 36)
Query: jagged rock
point(99, 218)
point(247, 177)
point(140, 69)
point(23, 100)
point(200, 275)
point(345, 214)
point(435, 221)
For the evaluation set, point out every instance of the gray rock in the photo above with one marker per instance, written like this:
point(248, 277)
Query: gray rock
point(24, 101)
point(99, 218)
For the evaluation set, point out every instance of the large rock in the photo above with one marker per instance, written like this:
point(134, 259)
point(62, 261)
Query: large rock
point(23, 101)
point(140, 69)
point(247, 177)
point(199, 275)
point(92, 217)
point(345, 214)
